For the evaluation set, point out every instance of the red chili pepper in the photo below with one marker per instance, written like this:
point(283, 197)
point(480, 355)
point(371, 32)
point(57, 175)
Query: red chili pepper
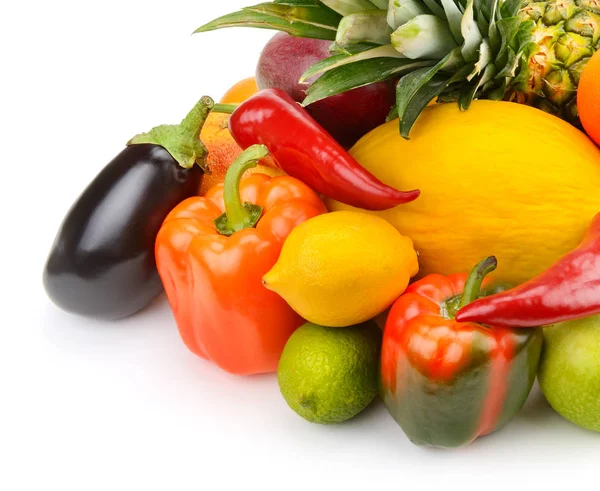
point(304, 150)
point(569, 290)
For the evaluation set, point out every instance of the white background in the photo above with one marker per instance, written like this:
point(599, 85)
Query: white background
point(89, 405)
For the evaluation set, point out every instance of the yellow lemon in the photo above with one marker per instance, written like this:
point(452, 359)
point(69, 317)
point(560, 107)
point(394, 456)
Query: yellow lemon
point(343, 268)
point(499, 179)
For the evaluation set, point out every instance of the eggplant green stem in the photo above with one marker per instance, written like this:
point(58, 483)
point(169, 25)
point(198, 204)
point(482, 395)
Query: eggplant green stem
point(225, 108)
point(473, 285)
point(182, 140)
point(239, 216)
point(192, 124)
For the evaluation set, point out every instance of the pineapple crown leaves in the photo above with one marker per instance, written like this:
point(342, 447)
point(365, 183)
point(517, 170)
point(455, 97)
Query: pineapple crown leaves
point(450, 50)
point(302, 18)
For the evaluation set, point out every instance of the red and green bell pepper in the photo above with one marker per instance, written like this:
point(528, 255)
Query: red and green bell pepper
point(447, 383)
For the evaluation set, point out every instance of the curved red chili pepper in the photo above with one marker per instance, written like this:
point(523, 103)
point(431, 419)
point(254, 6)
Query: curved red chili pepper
point(304, 150)
point(569, 290)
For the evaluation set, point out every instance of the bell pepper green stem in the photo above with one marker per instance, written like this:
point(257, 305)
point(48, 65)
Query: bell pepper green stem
point(225, 108)
point(239, 216)
point(473, 285)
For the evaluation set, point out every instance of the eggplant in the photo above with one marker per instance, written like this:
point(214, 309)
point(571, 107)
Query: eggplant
point(101, 264)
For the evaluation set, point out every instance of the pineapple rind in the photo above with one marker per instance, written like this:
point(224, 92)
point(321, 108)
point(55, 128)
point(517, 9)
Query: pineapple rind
point(567, 34)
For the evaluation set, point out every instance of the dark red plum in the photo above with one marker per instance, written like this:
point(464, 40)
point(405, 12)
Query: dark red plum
point(347, 116)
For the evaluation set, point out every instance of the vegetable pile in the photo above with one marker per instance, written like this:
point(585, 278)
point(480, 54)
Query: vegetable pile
point(403, 202)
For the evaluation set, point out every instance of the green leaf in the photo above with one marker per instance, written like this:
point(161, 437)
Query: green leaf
point(425, 36)
point(325, 65)
point(494, 38)
point(351, 49)
point(497, 94)
point(470, 33)
point(305, 19)
point(336, 61)
point(460, 76)
point(359, 74)
point(381, 4)
point(482, 22)
point(510, 67)
point(495, 41)
point(524, 35)
point(488, 74)
point(454, 61)
point(307, 14)
point(507, 61)
point(401, 11)
point(393, 114)
point(507, 29)
point(409, 86)
point(493, 33)
point(411, 83)
point(470, 91)
point(495, 11)
point(510, 8)
point(466, 96)
point(297, 2)
point(454, 16)
point(347, 7)
point(435, 8)
point(426, 93)
point(487, 8)
point(370, 26)
point(485, 58)
point(450, 94)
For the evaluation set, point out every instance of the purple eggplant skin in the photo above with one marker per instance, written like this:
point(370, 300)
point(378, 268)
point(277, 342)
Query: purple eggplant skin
point(102, 264)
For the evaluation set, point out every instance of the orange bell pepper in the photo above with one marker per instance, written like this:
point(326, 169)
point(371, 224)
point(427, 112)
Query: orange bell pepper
point(211, 254)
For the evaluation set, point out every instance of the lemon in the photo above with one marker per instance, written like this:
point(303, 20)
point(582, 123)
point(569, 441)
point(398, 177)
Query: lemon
point(343, 268)
point(329, 375)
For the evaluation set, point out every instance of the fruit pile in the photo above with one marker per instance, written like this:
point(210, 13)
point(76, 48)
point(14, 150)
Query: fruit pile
point(404, 202)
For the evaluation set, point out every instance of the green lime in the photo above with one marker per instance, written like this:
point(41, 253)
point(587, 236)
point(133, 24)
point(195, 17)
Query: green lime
point(570, 371)
point(329, 375)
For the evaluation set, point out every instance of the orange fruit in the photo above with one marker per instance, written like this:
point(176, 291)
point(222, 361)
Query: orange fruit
point(240, 91)
point(222, 148)
point(588, 98)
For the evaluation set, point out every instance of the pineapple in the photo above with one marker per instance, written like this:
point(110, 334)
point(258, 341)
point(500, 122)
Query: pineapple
point(450, 50)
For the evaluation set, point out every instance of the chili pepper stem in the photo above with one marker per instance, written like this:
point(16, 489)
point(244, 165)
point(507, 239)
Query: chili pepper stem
point(473, 285)
point(182, 140)
point(225, 108)
point(239, 216)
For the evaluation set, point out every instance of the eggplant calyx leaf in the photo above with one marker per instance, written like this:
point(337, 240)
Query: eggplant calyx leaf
point(182, 141)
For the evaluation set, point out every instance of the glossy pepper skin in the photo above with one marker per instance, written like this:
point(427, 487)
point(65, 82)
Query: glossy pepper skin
point(304, 150)
point(101, 263)
point(447, 383)
point(568, 290)
point(212, 264)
